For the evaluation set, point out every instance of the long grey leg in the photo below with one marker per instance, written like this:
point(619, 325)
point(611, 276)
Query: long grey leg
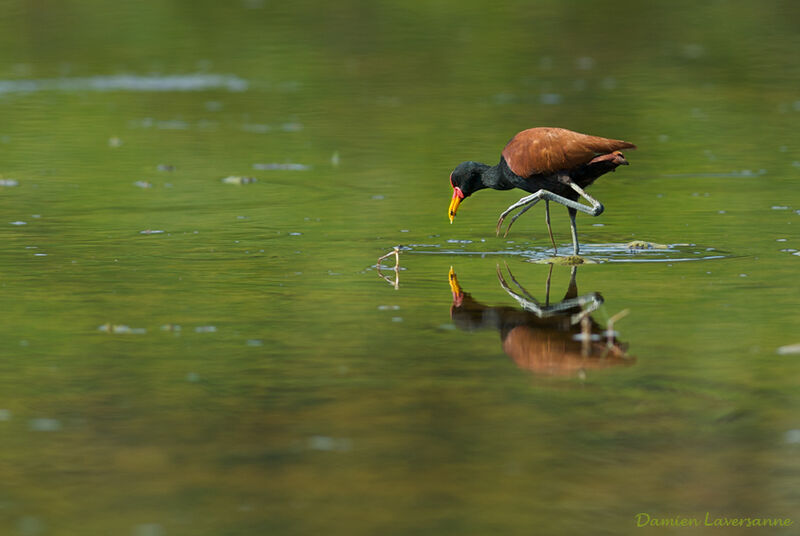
point(549, 229)
point(527, 202)
point(597, 206)
point(596, 210)
point(527, 294)
point(572, 214)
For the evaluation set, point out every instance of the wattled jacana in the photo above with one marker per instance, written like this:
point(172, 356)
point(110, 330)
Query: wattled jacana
point(553, 164)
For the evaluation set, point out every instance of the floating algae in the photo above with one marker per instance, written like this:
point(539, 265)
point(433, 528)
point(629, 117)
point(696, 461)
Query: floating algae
point(642, 244)
point(569, 260)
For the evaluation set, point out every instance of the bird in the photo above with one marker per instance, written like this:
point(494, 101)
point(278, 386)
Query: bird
point(554, 164)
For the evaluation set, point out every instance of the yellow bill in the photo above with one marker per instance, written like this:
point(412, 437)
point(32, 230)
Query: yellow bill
point(454, 202)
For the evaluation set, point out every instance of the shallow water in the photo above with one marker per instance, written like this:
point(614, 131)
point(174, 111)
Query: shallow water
point(196, 337)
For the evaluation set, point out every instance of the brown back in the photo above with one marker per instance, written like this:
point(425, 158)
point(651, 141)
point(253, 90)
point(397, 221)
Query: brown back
point(549, 149)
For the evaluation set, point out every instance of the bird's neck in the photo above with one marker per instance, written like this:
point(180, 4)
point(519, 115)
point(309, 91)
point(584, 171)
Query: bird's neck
point(494, 177)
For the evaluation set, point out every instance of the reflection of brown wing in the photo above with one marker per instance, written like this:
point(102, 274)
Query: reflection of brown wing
point(546, 150)
point(557, 353)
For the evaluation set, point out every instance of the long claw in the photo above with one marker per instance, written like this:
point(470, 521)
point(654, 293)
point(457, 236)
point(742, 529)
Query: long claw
point(499, 225)
point(512, 222)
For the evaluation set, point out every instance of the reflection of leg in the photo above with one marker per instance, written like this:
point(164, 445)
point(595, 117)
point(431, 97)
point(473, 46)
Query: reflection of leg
point(528, 303)
point(547, 287)
point(587, 303)
point(572, 289)
point(511, 276)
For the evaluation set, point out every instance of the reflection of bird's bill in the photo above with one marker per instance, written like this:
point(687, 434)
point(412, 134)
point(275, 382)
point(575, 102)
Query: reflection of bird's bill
point(454, 202)
point(455, 288)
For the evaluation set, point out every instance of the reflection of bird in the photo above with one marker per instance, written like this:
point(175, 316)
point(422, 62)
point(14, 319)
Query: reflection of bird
point(553, 164)
point(558, 339)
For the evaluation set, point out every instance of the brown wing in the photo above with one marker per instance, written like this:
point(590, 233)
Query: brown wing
point(547, 149)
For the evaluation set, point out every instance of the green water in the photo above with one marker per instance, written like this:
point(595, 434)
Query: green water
point(185, 356)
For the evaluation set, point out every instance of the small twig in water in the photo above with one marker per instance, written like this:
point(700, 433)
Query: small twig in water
point(396, 252)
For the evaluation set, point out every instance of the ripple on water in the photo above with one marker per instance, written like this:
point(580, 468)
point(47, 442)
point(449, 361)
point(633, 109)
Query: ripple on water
point(599, 253)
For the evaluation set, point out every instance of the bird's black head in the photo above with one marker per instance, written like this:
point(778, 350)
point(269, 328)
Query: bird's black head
point(466, 179)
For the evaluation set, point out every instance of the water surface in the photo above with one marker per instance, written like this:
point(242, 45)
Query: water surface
point(186, 354)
